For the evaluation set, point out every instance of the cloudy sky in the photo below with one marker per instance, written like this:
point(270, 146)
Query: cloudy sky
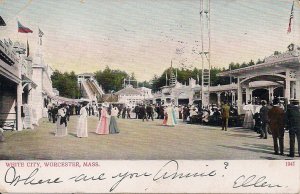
point(143, 36)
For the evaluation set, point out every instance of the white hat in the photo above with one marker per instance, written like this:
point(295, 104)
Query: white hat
point(105, 104)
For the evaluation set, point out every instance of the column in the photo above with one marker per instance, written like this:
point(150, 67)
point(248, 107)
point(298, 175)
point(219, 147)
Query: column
point(270, 89)
point(233, 97)
point(287, 89)
point(239, 95)
point(293, 88)
point(298, 84)
point(247, 94)
point(18, 106)
point(219, 98)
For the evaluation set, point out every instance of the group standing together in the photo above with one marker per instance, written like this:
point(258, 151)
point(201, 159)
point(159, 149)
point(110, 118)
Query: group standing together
point(275, 119)
point(106, 125)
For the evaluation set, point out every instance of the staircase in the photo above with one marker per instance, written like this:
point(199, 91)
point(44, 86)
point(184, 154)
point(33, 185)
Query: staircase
point(91, 90)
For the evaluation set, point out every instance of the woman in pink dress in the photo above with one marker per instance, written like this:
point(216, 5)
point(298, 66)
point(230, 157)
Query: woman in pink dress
point(103, 125)
point(165, 116)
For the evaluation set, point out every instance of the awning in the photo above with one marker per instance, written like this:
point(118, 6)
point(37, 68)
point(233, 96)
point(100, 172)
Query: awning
point(9, 75)
point(26, 79)
point(61, 99)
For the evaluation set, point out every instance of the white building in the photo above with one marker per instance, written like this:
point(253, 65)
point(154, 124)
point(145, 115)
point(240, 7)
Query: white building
point(146, 92)
point(278, 76)
point(131, 96)
point(30, 87)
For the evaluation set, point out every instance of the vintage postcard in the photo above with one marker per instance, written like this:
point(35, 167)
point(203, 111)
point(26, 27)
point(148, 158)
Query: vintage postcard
point(149, 96)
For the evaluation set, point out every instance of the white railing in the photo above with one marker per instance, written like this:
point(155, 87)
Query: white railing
point(87, 90)
point(100, 90)
point(10, 54)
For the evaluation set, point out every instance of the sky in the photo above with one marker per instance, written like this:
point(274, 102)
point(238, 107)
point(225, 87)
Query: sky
point(143, 36)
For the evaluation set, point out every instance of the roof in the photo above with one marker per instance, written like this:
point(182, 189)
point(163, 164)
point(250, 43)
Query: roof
point(86, 74)
point(128, 91)
point(288, 59)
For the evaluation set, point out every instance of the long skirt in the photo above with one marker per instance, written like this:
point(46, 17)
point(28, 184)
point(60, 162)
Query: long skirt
point(113, 127)
point(165, 120)
point(174, 118)
point(103, 126)
point(248, 120)
point(61, 130)
point(82, 127)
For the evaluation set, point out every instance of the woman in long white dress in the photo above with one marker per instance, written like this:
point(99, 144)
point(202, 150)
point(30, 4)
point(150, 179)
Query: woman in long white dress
point(82, 123)
point(61, 124)
point(248, 120)
point(169, 116)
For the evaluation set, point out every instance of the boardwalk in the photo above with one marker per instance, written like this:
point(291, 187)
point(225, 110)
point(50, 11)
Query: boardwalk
point(138, 141)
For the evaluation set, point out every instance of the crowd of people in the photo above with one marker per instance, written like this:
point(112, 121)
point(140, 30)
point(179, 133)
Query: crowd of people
point(275, 118)
point(263, 118)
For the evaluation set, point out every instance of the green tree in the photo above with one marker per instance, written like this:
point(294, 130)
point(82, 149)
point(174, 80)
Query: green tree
point(66, 84)
point(111, 80)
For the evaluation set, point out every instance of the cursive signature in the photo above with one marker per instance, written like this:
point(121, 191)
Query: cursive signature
point(13, 178)
point(253, 181)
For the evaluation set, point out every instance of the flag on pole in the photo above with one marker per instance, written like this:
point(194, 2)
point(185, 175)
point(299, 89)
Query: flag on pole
point(23, 29)
point(2, 22)
point(41, 33)
point(27, 49)
point(290, 21)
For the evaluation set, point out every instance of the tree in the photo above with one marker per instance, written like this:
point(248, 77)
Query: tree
point(251, 63)
point(111, 80)
point(66, 84)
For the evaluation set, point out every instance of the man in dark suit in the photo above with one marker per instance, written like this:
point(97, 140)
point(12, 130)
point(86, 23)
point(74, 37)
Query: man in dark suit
point(137, 111)
point(264, 119)
point(276, 119)
point(143, 113)
point(149, 110)
point(54, 114)
point(293, 125)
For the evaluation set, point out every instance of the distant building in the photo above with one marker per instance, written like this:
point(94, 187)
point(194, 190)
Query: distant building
point(146, 92)
point(130, 96)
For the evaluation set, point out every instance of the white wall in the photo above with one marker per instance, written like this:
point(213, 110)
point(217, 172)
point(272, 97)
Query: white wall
point(37, 98)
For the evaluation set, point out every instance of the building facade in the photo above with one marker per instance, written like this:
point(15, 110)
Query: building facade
point(278, 76)
point(25, 85)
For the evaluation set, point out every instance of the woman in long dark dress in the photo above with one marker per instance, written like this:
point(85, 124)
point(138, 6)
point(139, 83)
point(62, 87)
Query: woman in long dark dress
point(113, 127)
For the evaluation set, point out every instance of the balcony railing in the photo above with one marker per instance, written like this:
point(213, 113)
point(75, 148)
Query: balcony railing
point(11, 55)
